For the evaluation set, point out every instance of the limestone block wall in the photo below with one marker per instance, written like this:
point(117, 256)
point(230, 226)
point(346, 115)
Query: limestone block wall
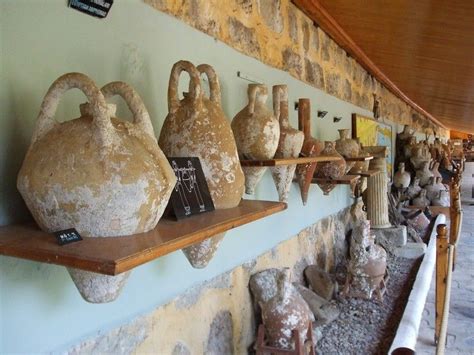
point(280, 35)
point(217, 316)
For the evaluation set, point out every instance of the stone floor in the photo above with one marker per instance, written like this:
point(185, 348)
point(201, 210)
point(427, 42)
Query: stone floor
point(460, 339)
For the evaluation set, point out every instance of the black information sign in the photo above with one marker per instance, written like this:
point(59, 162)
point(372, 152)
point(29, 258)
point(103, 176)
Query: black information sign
point(97, 8)
point(67, 236)
point(191, 193)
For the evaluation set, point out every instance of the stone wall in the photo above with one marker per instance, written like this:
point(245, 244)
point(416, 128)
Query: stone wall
point(217, 317)
point(280, 35)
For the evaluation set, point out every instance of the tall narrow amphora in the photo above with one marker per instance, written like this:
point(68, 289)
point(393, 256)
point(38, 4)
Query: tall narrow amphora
point(289, 146)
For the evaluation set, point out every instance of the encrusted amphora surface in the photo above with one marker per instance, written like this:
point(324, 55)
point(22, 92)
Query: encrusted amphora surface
point(283, 308)
point(289, 146)
point(257, 134)
point(103, 176)
point(196, 126)
point(367, 265)
point(331, 169)
point(311, 148)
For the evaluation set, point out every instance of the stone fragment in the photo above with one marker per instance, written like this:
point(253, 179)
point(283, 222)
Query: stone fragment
point(246, 36)
point(293, 23)
point(333, 83)
point(314, 301)
point(220, 339)
point(411, 250)
point(270, 10)
point(292, 62)
point(315, 38)
point(314, 74)
point(306, 35)
point(391, 238)
point(324, 311)
point(320, 281)
point(347, 91)
point(327, 314)
point(325, 43)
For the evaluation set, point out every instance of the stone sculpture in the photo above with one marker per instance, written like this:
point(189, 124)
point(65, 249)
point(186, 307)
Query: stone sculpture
point(196, 126)
point(289, 146)
point(257, 134)
point(103, 176)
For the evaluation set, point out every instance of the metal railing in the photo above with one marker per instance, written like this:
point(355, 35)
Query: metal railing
point(446, 247)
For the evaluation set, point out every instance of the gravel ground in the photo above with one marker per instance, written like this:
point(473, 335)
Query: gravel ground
point(368, 326)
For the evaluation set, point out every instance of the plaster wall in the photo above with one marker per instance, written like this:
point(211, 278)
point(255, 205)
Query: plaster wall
point(41, 311)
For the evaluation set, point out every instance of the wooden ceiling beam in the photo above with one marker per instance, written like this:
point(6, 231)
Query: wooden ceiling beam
point(328, 24)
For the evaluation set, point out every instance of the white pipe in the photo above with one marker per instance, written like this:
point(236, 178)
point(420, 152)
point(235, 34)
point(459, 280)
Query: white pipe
point(407, 332)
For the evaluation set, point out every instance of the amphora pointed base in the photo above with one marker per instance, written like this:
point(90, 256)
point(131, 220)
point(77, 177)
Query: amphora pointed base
point(283, 177)
point(98, 288)
point(200, 254)
point(304, 176)
point(253, 175)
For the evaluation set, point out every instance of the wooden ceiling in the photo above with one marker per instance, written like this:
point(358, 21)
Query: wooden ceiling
point(424, 47)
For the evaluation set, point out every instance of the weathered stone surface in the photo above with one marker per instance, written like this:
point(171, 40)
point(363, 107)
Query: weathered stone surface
point(321, 282)
point(192, 295)
point(314, 73)
point(324, 311)
point(333, 83)
point(314, 301)
point(325, 44)
point(391, 238)
point(268, 18)
point(244, 35)
point(122, 340)
point(306, 36)
point(270, 10)
point(411, 250)
point(292, 62)
point(200, 12)
point(326, 314)
point(246, 5)
point(292, 23)
point(181, 349)
point(347, 90)
point(264, 284)
point(221, 340)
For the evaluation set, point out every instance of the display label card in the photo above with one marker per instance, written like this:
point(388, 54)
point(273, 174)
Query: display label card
point(67, 236)
point(96, 8)
point(191, 194)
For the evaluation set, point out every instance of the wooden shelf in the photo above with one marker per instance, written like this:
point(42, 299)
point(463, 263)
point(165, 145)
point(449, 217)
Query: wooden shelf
point(359, 158)
point(286, 161)
point(343, 180)
point(112, 256)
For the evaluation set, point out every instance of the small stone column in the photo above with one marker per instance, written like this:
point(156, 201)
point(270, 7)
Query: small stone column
point(377, 201)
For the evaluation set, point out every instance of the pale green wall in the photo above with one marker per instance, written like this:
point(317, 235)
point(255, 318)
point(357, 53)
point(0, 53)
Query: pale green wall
point(41, 310)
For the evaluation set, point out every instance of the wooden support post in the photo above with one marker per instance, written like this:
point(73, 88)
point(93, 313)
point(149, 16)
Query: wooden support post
point(455, 212)
point(441, 273)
